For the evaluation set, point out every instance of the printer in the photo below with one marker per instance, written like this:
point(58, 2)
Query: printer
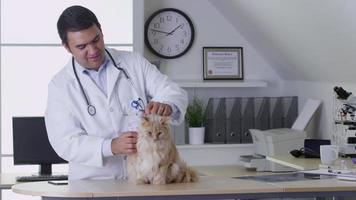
point(271, 143)
point(281, 141)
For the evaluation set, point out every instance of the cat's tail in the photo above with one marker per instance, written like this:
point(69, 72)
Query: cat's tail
point(190, 175)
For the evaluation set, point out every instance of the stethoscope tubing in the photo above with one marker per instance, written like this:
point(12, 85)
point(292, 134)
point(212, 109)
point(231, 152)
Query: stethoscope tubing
point(90, 107)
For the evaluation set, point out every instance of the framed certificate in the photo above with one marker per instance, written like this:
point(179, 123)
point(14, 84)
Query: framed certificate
point(222, 63)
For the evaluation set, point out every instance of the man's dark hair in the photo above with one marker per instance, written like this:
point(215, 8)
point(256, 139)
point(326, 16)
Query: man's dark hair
point(75, 18)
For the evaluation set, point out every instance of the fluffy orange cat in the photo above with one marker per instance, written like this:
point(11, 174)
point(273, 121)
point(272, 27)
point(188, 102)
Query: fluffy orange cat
point(157, 160)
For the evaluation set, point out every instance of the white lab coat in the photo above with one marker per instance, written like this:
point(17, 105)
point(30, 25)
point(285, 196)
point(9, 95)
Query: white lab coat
point(78, 137)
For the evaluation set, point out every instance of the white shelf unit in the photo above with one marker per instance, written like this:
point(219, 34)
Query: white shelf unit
point(186, 83)
point(213, 146)
point(197, 154)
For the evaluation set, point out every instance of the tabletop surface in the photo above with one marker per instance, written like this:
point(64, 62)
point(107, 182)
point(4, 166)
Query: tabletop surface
point(8, 180)
point(214, 180)
point(119, 188)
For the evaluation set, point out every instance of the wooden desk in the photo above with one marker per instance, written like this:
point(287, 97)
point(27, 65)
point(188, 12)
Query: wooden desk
point(216, 184)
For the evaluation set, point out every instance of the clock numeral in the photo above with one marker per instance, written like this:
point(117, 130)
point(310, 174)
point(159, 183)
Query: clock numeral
point(161, 47)
point(155, 41)
point(156, 25)
point(177, 47)
point(169, 49)
point(153, 33)
point(169, 18)
point(161, 19)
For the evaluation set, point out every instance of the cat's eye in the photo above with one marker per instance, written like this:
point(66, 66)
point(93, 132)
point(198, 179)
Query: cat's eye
point(149, 133)
point(159, 133)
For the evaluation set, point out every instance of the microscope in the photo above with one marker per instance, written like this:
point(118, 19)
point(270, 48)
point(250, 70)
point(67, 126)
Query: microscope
point(345, 122)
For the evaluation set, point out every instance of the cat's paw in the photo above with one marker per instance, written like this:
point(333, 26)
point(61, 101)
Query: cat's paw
point(141, 181)
point(174, 169)
point(159, 182)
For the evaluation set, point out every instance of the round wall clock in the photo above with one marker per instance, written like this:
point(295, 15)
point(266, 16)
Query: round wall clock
point(169, 33)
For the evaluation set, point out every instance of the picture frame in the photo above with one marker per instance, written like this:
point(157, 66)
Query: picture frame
point(223, 63)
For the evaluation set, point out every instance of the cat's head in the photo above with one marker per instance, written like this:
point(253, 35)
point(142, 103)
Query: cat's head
point(154, 127)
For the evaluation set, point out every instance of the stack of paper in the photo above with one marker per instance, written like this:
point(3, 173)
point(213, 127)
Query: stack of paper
point(350, 176)
point(340, 174)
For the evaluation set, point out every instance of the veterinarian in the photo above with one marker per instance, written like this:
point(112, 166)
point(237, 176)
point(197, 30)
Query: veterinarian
point(95, 102)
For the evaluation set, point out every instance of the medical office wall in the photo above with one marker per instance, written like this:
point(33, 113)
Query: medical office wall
point(31, 53)
point(212, 29)
point(301, 48)
point(309, 44)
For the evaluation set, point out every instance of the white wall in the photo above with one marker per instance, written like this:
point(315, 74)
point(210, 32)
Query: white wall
point(138, 28)
point(212, 29)
point(309, 42)
point(220, 23)
point(305, 40)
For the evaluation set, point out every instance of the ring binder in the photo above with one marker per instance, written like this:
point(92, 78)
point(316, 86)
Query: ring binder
point(228, 120)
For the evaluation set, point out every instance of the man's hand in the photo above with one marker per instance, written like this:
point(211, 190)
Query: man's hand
point(158, 109)
point(125, 143)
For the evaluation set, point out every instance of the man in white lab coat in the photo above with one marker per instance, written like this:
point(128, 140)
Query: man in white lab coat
point(95, 101)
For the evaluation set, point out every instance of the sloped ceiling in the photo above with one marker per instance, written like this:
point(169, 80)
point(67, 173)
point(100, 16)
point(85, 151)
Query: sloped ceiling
point(305, 40)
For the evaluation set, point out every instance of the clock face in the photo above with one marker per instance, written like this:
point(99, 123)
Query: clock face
point(169, 33)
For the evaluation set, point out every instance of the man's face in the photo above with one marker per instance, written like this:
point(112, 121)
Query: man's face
point(87, 47)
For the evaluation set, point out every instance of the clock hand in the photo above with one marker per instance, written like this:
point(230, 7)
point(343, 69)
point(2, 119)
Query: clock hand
point(158, 31)
point(170, 33)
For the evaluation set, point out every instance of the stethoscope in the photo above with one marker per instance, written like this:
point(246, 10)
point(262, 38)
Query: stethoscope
point(136, 104)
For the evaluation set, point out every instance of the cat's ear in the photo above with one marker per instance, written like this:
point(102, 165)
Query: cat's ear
point(145, 119)
point(164, 120)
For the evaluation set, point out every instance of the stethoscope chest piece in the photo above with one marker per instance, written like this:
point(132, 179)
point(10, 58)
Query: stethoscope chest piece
point(91, 110)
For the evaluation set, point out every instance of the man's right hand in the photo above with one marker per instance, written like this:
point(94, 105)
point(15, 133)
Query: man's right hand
point(125, 143)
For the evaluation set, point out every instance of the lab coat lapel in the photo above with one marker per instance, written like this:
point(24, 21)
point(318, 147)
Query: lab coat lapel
point(112, 78)
point(89, 85)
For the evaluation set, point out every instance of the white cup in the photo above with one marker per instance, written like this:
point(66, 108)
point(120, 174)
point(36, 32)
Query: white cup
point(328, 154)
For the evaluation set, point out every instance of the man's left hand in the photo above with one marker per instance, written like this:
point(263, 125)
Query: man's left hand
point(157, 108)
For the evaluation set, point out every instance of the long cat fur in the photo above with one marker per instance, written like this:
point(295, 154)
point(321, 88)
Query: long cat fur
point(157, 160)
